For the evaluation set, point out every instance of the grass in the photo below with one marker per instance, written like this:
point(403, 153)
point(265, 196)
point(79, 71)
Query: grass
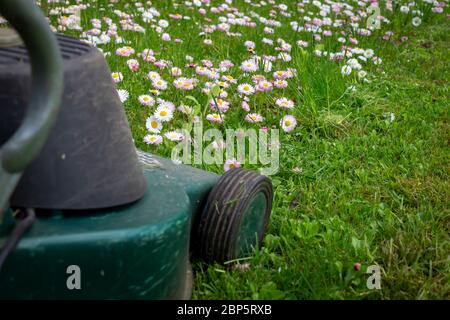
point(371, 191)
point(364, 178)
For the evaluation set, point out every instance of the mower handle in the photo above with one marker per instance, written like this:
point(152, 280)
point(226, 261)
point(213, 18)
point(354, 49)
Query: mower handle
point(47, 84)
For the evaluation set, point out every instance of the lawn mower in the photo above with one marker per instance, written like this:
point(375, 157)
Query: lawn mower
point(83, 214)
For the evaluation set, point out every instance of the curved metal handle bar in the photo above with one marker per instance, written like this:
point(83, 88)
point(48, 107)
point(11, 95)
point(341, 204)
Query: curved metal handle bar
point(47, 84)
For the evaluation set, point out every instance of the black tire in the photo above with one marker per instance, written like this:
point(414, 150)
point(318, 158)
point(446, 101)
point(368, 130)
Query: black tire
point(224, 211)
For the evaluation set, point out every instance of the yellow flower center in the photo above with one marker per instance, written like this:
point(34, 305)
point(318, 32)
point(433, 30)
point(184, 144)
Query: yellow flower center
point(163, 113)
point(287, 123)
point(154, 124)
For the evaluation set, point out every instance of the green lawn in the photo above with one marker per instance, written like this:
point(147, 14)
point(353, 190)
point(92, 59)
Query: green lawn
point(364, 177)
point(370, 191)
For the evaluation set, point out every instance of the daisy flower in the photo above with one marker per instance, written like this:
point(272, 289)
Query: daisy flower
point(346, 70)
point(257, 78)
point(146, 100)
point(153, 139)
point(253, 118)
point(214, 117)
point(377, 60)
point(201, 71)
point(245, 106)
point(404, 9)
point(249, 44)
point(179, 83)
point(165, 37)
point(185, 109)
point(153, 76)
point(125, 51)
point(231, 164)
point(362, 74)
point(160, 84)
point(153, 125)
point(174, 136)
point(163, 113)
point(249, 66)
point(123, 95)
point(229, 79)
point(354, 64)
point(246, 89)
point(185, 84)
point(280, 75)
point(222, 84)
point(288, 123)
point(117, 77)
point(163, 23)
point(302, 43)
point(284, 103)
point(368, 53)
point(214, 75)
point(148, 55)
point(225, 65)
point(175, 71)
point(167, 104)
point(264, 86)
point(284, 57)
point(221, 104)
point(133, 65)
point(416, 21)
point(280, 84)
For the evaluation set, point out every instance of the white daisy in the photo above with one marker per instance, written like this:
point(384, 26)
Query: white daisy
point(284, 103)
point(117, 77)
point(123, 95)
point(153, 139)
point(416, 21)
point(288, 123)
point(174, 136)
point(246, 89)
point(231, 164)
point(160, 84)
point(185, 109)
point(163, 113)
point(362, 74)
point(153, 125)
point(153, 76)
point(253, 118)
point(146, 100)
point(346, 70)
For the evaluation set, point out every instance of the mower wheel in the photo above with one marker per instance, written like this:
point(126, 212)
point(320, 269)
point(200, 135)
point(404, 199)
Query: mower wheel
point(235, 217)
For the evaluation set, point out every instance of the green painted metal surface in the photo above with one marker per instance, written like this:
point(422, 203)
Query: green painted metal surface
point(137, 251)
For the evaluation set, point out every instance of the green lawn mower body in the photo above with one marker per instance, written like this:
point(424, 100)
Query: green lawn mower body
point(92, 218)
point(138, 251)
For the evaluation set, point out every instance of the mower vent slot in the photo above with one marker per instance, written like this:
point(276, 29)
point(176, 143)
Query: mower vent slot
point(70, 48)
point(13, 55)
